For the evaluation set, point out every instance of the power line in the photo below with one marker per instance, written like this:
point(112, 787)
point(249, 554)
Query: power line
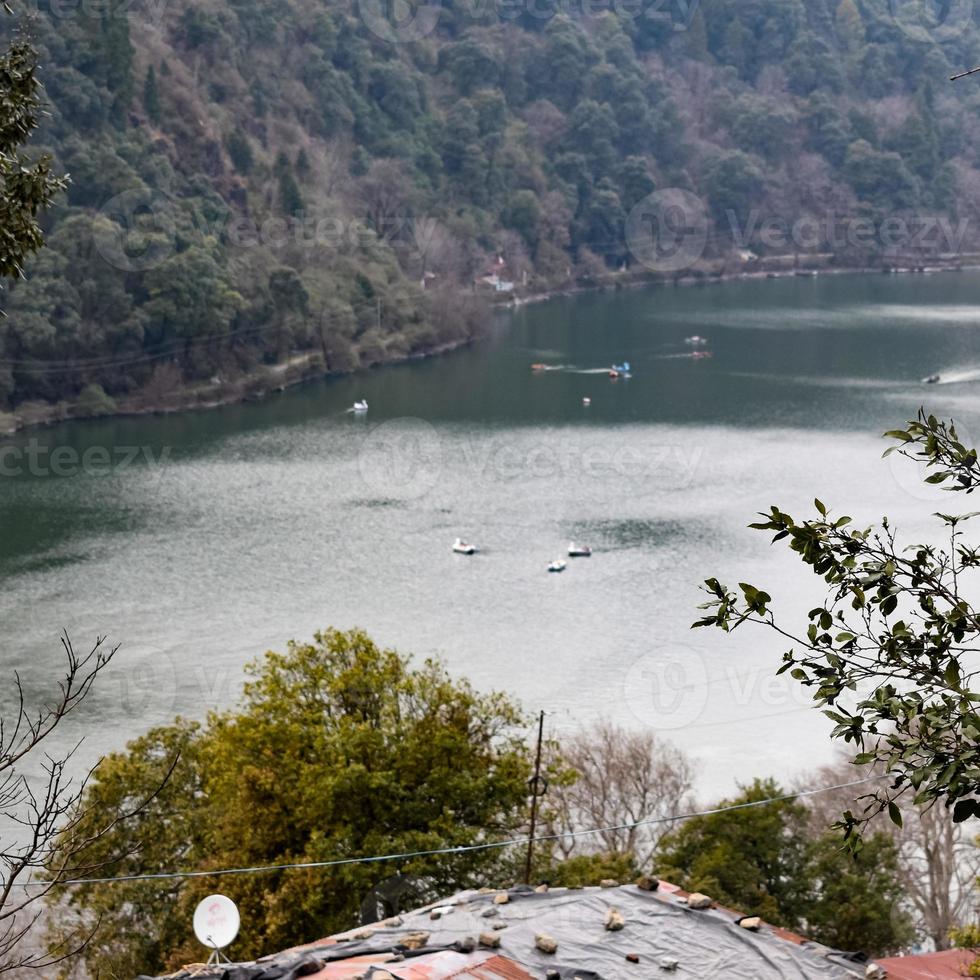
point(462, 849)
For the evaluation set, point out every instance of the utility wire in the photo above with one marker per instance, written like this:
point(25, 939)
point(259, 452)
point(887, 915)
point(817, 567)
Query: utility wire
point(462, 849)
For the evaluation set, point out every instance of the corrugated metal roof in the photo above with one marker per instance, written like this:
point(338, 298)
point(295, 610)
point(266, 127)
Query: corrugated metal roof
point(949, 964)
point(444, 965)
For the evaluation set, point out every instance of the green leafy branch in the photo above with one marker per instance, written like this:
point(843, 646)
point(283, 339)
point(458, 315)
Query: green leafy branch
point(894, 631)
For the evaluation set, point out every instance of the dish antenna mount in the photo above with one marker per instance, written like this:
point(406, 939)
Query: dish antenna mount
point(216, 924)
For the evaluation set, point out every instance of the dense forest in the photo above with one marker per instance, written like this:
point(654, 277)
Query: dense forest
point(266, 189)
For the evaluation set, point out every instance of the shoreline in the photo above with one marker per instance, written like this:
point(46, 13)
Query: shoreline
point(304, 367)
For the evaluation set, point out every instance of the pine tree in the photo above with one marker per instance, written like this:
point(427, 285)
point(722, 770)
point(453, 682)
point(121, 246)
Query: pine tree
point(240, 151)
point(290, 199)
point(151, 97)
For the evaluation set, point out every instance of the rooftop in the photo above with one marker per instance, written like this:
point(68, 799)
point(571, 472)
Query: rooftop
point(951, 963)
point(611, 933)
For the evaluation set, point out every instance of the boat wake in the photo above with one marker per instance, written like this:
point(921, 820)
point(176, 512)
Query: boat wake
point(959, 377)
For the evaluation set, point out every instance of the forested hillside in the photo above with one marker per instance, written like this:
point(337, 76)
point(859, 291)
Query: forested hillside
point(262, 188)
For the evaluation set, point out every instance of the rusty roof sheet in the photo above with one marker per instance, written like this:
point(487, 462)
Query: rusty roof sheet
point(951, 963)
point(444, 965)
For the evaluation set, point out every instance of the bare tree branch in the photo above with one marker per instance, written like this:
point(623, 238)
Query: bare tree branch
point(45, 845)
point(623, 777)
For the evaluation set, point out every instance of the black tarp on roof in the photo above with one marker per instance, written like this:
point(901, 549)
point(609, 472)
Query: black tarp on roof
point(660, 930)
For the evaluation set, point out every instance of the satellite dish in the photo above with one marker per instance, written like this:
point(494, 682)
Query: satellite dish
point(216, 923)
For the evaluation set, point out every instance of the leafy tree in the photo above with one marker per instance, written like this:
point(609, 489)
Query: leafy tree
point(761, 861)
point(635, 181)
point(857, 901)
point(733, 181)
point(887, 653)
point(290, 301)
point(25, 187)
point(290, 198)
point(811, 65)
point(581, 113)
point(880, 177)
point(524, 215)
point(240, 151)
point(339, 749)
point(752, 859)
point(763, 126)
point(850, 28)
point(968, 937)
point(472, 65)
point(593, 133)
point(151, 97)
point(585, 870)
point(93, 402)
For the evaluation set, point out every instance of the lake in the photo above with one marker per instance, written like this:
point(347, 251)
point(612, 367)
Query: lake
point(199, 541)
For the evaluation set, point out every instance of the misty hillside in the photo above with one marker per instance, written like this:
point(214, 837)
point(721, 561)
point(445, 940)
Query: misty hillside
point(261, 188)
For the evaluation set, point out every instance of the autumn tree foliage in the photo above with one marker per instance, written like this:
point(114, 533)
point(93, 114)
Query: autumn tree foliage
point(339, 749)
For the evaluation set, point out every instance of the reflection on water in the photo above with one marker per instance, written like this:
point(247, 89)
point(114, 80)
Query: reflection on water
point(230, 532)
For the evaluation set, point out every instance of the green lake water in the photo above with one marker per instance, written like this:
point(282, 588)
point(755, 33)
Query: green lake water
point(198, 541)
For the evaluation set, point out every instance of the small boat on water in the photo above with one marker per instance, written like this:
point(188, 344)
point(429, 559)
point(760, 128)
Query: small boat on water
point(696, 341)
point(700, 355)
point(462, 547)
point(586, 401)
point(360, 407)
point(579, 550)
point(558, 565)
point(931, 380)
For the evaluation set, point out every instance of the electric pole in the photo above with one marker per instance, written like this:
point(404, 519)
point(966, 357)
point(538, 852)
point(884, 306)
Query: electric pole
point(539, 786)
